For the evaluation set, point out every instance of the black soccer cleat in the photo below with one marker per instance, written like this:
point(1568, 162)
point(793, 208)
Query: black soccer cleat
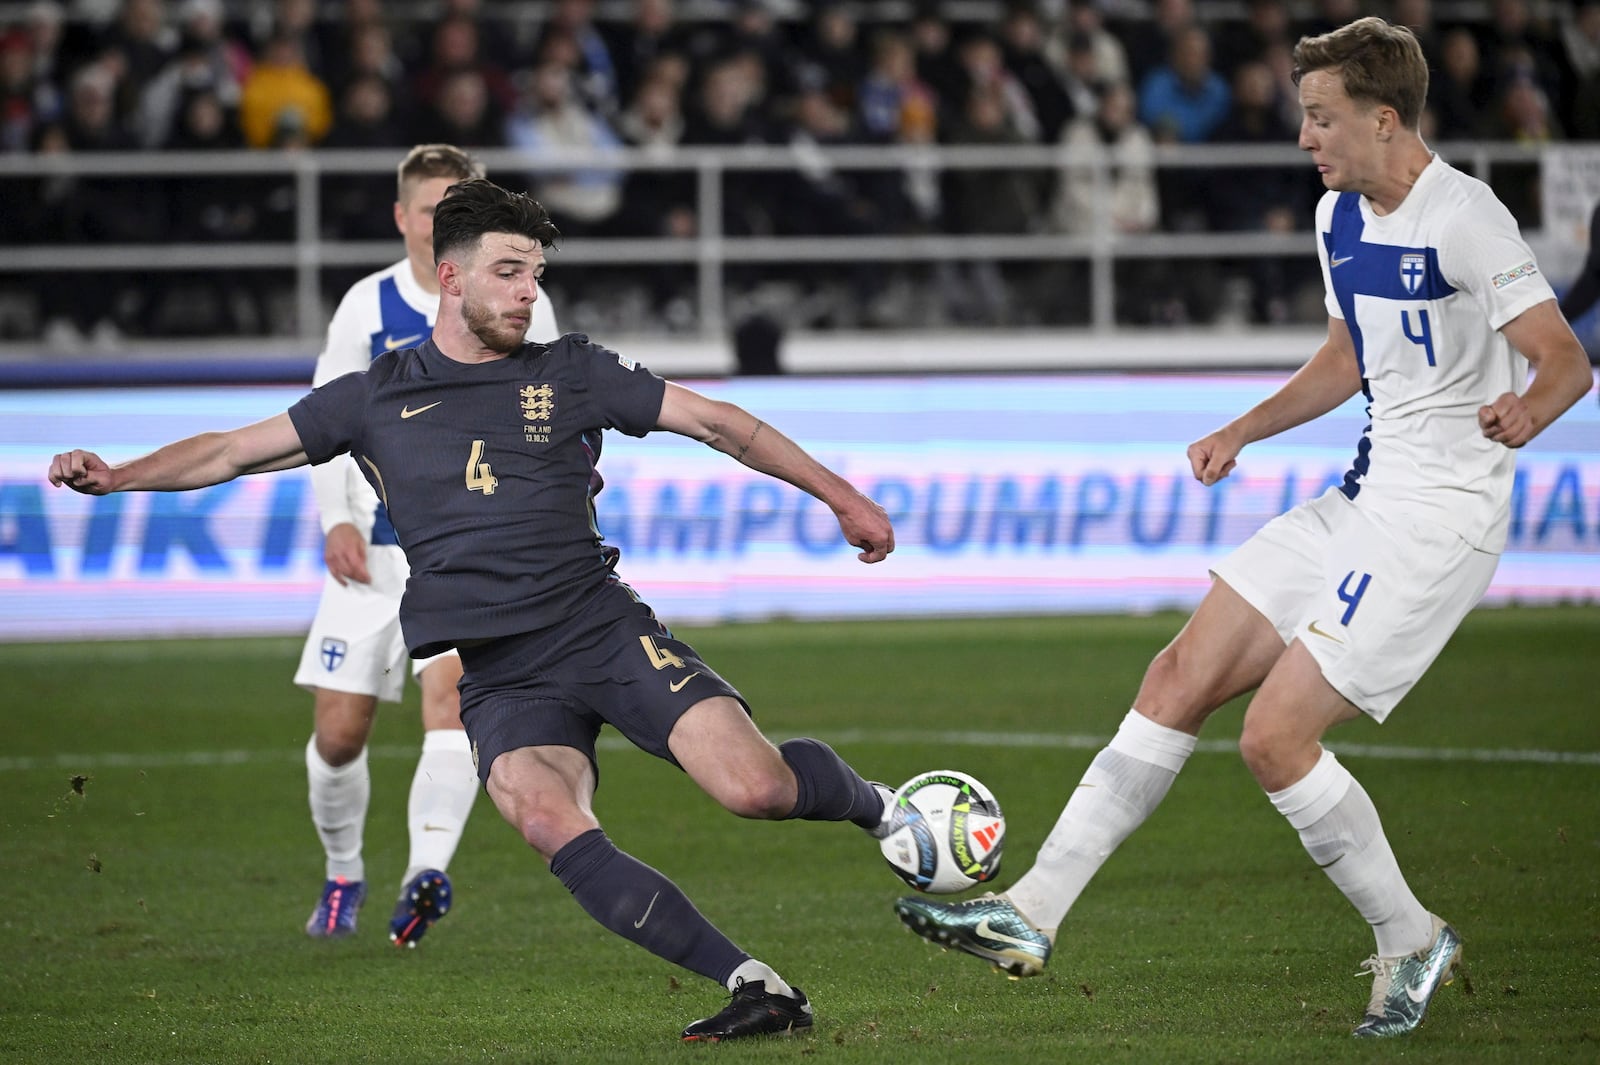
point(753, 1011)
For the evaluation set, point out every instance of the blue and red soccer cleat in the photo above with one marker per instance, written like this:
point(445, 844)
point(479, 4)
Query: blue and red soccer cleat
point(335, 915)
point(422, 901)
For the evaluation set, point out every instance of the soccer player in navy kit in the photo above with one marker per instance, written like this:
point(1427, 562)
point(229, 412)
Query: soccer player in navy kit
point(354, 653)
point(484, 450)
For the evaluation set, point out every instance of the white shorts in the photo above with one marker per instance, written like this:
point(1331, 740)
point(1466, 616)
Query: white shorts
point(355, 643)
point(1373, 597)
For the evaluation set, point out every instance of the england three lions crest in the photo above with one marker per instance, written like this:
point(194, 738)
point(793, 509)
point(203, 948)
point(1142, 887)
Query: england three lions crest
point(1413, 268)
point(538, 411)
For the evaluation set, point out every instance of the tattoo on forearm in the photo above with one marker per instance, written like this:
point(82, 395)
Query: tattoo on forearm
point(753, 434)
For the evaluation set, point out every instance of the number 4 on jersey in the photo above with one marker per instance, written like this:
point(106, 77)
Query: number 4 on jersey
point(480, 478)
point(1423, 337)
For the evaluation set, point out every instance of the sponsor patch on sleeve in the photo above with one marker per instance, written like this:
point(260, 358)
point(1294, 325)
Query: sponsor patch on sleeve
point(1515, 274)
point(628, 364)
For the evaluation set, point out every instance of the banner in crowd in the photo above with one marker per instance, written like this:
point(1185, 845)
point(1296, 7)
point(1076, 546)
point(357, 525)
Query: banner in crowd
point(1010, 495)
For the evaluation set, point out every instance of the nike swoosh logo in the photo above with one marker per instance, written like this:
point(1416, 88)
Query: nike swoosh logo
point(1315, 631)
point(1415, 996)
point(678, 687)
point(1339, 262)
point(434, 828)
point(640, 922)
point(392, 344)
point(407, 412)
point(986, 932)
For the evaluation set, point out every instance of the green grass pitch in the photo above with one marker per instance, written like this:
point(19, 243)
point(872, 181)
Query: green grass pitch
point(158, 863)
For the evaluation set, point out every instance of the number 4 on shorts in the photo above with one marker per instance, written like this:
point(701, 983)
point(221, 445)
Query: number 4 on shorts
point(659, 657)
point(1351, 599)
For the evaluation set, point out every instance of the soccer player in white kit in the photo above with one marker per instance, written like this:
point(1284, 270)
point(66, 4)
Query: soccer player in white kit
point(354, 654)
point(1336, 608)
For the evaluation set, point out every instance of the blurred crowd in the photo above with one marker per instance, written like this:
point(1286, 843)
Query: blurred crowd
point(295, 75)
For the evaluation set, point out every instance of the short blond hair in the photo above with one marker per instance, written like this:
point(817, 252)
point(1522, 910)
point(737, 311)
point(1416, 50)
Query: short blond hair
point(427, 161)
point(1379, 64)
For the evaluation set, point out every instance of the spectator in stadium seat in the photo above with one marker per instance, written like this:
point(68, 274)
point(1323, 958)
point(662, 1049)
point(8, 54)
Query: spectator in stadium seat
point(652, 31)
point(1459, 95)
point(1022, 43)
point(1128, 203)
point(1580, 41)
point(1184, 102)
point(509, 570)
point(142, 43)
point(832, 56)
point(1339, 606)
point(26, 102)
point(1149, 40)
point(206, 59)
point(1516, 44)
point(1085, 27)
point(1280, 197)
point(594, 70)
point(462, 113)
point(457, 48)
point(1266, 25)
point(282, 93)
point(552, 119)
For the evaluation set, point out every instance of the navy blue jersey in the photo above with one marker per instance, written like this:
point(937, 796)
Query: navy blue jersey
point(488, 472)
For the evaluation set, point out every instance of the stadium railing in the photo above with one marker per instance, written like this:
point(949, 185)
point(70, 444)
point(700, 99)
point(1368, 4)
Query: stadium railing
point(709, 253)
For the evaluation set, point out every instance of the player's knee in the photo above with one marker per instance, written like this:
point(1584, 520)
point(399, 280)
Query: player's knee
point(1266, 753)
point(547, 829)
point(1173, 692)
point(764, 796)
point(340, 746)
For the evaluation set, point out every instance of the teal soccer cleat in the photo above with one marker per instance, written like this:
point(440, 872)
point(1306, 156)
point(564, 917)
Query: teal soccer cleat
point(1402, 987)
point(987, 926)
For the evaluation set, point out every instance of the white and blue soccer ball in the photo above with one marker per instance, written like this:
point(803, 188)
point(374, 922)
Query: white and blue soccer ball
point(944, 832)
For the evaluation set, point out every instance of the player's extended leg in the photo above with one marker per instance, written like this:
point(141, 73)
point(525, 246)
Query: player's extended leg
point(442, 792)
point(1340, 829)
point(724, 752)
point(340, 790)
point(1224, 650)
point(545, 793)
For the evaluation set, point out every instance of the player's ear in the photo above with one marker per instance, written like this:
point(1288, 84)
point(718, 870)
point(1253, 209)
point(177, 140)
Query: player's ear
point(449, 276)
point(1388, 120)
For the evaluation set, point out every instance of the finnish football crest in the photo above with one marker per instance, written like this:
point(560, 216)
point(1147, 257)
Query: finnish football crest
point(333, 653)
point(538, 411)
point(1413, 268)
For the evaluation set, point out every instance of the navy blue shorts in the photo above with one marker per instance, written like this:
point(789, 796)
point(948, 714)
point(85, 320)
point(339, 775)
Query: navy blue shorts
point(557, 687)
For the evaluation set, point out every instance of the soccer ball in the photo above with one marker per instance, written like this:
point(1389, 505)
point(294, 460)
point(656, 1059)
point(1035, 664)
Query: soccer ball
point(944, 833)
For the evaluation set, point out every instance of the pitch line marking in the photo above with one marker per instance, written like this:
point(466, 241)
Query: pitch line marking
point(1056, 740)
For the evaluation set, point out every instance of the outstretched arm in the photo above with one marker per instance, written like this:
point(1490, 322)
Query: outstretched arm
point(1328, 378)
point(195, 462)
point(1562, 378)
point(734, 431)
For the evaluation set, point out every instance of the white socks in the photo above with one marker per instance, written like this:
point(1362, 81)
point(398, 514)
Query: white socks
point(1123, 785)
point(1340, 829)
point(442, 792)
point(753, 970)
point(339, 797)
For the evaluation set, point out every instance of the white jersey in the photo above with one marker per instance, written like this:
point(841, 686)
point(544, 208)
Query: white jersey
point(1424, 291)
point(384, 311)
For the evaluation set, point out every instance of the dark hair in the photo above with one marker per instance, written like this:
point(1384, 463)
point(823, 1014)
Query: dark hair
point(478, 206)
point(1379, 63)
point(427, 161)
